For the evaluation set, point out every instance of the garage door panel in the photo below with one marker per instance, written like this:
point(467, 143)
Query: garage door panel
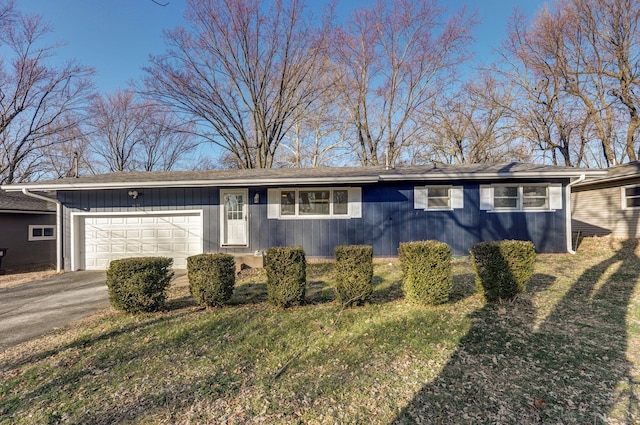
point(116, 237)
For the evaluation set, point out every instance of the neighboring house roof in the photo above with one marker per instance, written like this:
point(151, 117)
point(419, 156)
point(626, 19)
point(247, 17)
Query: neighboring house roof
point(614, 174)
point(301, 176)
point(16, 202)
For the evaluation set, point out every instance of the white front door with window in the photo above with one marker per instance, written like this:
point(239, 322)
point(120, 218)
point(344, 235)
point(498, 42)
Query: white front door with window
point(234, 220)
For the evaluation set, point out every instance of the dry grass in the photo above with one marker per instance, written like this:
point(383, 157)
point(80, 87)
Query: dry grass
point(17, 277)
point(566, 352)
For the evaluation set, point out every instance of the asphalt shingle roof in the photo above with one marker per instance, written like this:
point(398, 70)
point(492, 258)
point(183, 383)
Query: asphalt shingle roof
point(615, 173)
point(16, 201)
point(274, 176)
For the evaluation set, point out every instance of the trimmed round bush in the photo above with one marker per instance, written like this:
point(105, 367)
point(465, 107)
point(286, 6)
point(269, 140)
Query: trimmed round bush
point(139, 284)
point(211, 278)
point(502, 268)
point(353, 274)
point(286, 276)
point(427, 272)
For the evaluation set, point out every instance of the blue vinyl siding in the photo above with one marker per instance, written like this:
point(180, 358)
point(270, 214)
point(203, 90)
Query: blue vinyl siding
point(388, 218)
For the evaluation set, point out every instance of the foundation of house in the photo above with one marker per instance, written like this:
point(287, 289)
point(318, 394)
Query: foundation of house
point(249, 261)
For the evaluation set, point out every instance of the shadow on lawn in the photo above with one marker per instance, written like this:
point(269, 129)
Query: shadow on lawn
point(121, 350)
point(570, 368)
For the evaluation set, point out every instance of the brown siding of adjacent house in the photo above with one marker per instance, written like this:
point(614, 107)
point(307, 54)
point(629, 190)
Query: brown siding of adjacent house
point(597, 211)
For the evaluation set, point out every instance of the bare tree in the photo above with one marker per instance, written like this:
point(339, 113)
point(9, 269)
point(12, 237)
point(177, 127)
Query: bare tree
point(167, 144)
point(71, 158)
point(116, 130)
point(316, 139)
point(393, 59)
point(471, 125)
point(131, 134)
point(244, 72)
point(582, 76)
point(39, 103)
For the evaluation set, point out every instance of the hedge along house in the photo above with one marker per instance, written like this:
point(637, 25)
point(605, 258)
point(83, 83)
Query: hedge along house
point(179, 214)
point(608, 205)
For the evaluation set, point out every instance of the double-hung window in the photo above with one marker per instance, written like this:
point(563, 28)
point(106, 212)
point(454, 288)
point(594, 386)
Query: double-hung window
point(631, 197)
point(438, 197)
point(521, 197)
point(314, 203)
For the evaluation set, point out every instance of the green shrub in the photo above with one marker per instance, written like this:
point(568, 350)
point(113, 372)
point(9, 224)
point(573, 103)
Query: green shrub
point(427, 272)
point(502, 268)
point(139, 284)
point(286, 276)
point(211, 278)
point(353, 273)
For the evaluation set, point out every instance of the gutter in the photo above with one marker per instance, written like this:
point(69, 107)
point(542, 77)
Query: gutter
point(58, 225)
point(567, 196)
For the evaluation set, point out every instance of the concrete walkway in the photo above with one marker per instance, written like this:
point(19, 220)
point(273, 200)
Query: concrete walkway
point(30, 310)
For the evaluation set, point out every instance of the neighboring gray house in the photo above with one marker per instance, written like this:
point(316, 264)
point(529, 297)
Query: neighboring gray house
point(243, 212)
point(608, 205)
point(27, 230)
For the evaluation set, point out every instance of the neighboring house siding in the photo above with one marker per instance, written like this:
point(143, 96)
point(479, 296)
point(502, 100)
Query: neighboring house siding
point(388, 218)
point(15, 236)
point(597, 211)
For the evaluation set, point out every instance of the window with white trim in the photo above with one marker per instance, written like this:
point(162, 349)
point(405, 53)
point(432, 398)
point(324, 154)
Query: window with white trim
point(631, 197)
point(42, 232)
point(521, 197)
point(343, 202)
point(438, 197)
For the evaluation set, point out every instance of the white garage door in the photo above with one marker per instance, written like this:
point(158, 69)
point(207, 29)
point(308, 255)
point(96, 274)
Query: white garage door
point(109, 238)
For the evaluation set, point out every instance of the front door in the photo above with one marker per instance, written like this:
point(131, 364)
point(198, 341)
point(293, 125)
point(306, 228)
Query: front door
point(234, 217)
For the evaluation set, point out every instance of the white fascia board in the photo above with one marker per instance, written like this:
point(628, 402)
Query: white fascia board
point(193, 183)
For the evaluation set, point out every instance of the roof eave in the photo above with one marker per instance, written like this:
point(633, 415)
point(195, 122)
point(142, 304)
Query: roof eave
point(329, 180)
point(192, 183)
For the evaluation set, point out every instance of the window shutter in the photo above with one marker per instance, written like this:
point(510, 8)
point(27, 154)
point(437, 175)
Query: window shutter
point(420, 198)
point(457, 197)
point(355, 202)
point(555, 197)
point(273, 203)
point(486, 197)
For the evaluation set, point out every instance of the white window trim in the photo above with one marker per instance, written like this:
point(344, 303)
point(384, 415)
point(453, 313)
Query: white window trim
point(554, 198)
point(354, 206)
point(623, 196)
point(421, 197)
point(42, 226)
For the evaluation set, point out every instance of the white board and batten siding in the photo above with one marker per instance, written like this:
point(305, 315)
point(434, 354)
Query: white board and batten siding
point(106, 237)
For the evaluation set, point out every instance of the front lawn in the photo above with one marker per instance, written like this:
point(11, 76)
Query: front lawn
point(568, 351)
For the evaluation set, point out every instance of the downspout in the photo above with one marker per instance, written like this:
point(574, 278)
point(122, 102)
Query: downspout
point(58, 225)
point(567, 196)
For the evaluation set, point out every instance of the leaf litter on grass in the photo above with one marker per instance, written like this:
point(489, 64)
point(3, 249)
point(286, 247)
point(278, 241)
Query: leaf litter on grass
point(562, 353)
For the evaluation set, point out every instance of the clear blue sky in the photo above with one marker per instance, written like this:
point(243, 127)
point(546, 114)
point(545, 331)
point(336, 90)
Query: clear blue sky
point(116, 36)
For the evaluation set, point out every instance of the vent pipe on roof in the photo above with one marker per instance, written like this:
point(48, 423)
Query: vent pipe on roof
point(75, 164)
point(386, 158)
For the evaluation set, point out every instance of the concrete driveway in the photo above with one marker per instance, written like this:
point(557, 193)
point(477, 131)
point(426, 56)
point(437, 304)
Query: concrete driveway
point(32, 309)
